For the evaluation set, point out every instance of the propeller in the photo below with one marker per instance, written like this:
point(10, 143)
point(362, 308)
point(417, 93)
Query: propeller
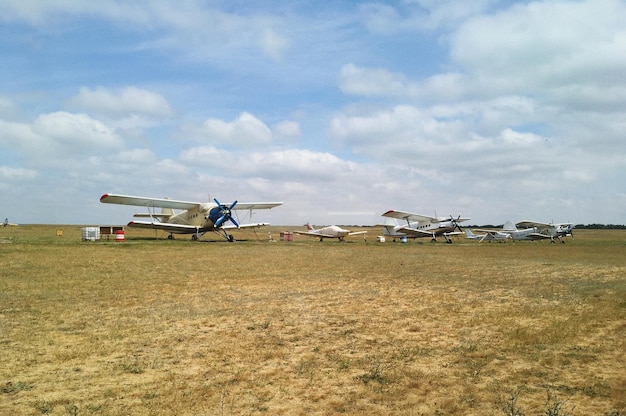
point(455, 223)
point(222, 213)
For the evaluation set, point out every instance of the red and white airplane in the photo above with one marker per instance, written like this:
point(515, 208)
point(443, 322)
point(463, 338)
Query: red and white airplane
point(332, 231)
point(418, 225)
point(197, 218)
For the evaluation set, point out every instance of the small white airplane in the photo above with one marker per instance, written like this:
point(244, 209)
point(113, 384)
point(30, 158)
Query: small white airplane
point(332, 231)
point(489, 235)
point(197, 218)
point(555, 231)
point(418, 225)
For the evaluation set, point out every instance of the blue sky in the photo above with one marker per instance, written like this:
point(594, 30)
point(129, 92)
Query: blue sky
point(493, 110)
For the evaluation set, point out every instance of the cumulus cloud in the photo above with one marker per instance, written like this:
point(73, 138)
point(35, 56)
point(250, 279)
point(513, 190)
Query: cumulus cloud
point(273, 45)
point(290, 164)
point(59, 133)
point(136, 156)
point(246, 131)
point(543, 47)
point(19, 174)
point(286, 128)
point(122, 102)
point(75, 132)
point(374, 82)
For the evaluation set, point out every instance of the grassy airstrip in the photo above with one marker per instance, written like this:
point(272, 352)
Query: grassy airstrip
point(157, 327)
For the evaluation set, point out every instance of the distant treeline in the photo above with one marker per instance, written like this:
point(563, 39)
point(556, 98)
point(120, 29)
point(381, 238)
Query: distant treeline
point(602, 226)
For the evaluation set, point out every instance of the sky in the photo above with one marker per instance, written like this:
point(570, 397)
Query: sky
point(493, 110)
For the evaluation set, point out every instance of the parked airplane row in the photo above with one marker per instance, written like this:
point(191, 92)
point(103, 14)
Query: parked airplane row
point(198, 218)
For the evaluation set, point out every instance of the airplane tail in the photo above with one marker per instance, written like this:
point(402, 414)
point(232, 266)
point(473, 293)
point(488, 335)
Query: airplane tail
point(388, 230)
point(469, 233)
point(308, 227)
point(509, 226)
point(167, 211)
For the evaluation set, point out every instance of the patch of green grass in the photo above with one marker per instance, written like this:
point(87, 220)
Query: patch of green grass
point(18, 386)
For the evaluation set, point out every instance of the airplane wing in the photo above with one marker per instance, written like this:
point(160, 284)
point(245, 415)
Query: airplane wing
point(319, 234)
point(255, 205)
point(165, 226)
point(140, 201)
point(408, 216)
point(159, 216)
point(357, 232)
point(314, 234)
point(538, 236)
point(187, 229)
point(416, 232)
point(531, 224)
point(491, 232)
point(401, 215)
point(253, 225)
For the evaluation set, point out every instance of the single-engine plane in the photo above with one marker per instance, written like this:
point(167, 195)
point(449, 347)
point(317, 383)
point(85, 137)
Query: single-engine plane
point(332, 231)
point(417, 225)
point(196, 218)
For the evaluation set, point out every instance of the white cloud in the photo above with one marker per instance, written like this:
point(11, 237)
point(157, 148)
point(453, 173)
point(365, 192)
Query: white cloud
point(122, 102)
point(374, 82)
point(19, 174)
point(59, 133)
point(290, 164)
point(541, 47)
point(288, 129)
point(246, 131)
point(75, 132)
point(136, 156)
point(273, 45)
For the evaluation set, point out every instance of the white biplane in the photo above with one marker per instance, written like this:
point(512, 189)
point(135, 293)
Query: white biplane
point(532, 230)
point(418, 225)
point(332, 231)
point(552, 230)
point(197, 218)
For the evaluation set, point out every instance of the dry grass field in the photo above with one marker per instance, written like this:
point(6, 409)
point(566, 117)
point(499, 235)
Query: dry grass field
point(157, 327)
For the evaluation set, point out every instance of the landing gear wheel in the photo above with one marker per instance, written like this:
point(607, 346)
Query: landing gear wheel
point(194, 237)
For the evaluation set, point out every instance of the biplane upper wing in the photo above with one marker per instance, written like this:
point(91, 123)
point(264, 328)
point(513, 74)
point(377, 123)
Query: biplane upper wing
point(531, 224)
point(407, 216)
point(140, 201)
point(255, 205)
